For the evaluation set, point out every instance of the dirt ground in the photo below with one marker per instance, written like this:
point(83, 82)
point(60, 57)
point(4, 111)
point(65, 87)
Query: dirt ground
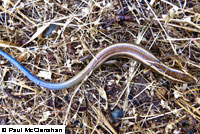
point(56, 39)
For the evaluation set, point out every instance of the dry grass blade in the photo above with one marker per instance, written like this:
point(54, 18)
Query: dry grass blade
point(103, 119)
point(38, 33)
point(6, 44)
point(182, 103)
point(11, 14)
point(191, 90)
point(102, 93)
point(24, 86)
point(184, 27)
point(20, 13)
point(172, 46)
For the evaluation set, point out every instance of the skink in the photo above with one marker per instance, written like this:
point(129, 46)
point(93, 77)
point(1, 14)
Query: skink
point(130, 51)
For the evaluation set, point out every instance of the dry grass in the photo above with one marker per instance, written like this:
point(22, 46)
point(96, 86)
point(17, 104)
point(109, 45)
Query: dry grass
point(150, 103)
